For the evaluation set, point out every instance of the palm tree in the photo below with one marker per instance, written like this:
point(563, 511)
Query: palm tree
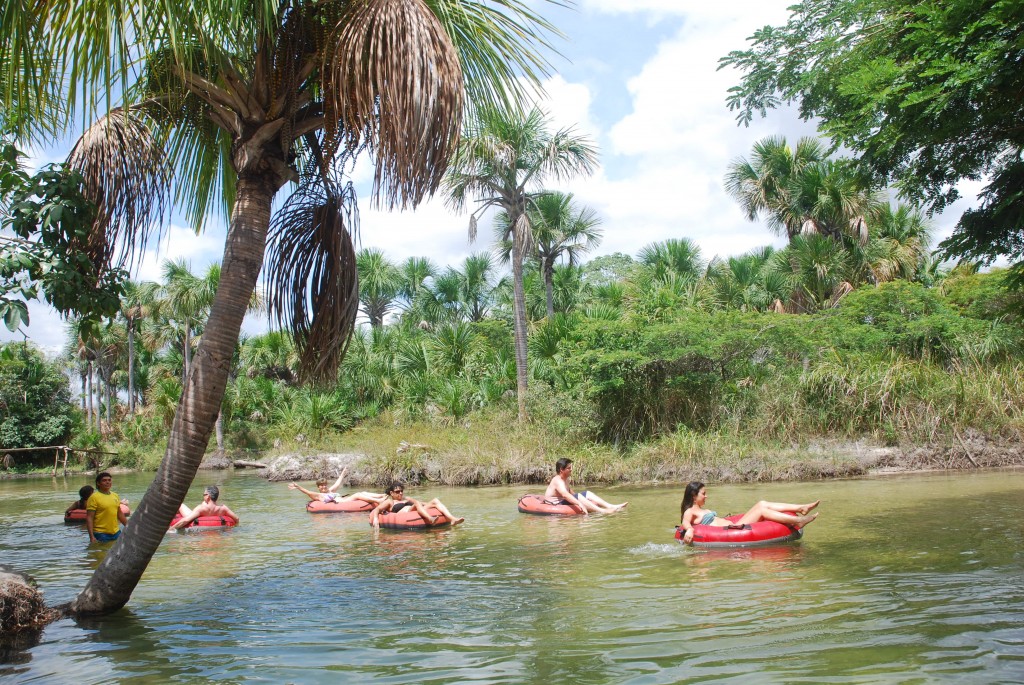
point(561, 229)
point(140, 301)
point(380, 282)
point(502, 161)
point(677, 256)
point(237, 96)
point(188, 299)
point(764, 184)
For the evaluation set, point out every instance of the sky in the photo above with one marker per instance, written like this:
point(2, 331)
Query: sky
point(641, 78)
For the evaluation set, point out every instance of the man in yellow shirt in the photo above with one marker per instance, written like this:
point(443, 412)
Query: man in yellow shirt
point(103, 514)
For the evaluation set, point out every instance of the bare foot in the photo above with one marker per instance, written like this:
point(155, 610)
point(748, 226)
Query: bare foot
point(621, 506)
point(433, 520)
point(805, 509)
point(804, 520)
point(458, 520)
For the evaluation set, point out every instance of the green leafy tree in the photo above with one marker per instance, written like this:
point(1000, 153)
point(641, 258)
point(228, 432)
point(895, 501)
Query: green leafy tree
point(35, 399)
point(926, 94)
point(237, 96)
point(51, 252)
point(503, 160)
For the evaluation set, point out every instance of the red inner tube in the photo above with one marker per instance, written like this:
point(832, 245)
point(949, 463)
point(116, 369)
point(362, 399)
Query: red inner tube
point(749, 535)
point(409, 519)
point(352, 505)
point(206, 522)
point(546, 506)
point(78, 515)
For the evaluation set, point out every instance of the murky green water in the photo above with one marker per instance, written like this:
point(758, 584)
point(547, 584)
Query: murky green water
point(910, 579)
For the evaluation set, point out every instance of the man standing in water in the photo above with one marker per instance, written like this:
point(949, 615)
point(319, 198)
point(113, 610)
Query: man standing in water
point(585, 501)
point(103, 515)
point(209, 507)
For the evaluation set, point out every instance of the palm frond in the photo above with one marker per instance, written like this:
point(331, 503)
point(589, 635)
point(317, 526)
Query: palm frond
point(394, 71)
point(127, 177)
point(312, 284)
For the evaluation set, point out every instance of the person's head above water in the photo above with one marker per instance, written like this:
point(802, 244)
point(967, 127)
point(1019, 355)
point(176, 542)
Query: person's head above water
point(396, 488)
point(562, 463)
point(85, 492)
point(213, 491)
point(693, 488)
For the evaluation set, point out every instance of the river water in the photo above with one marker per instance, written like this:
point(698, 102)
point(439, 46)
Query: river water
point(902, 579)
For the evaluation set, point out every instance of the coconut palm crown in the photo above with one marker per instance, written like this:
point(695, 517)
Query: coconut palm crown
point(221, 103)
point(502, 162)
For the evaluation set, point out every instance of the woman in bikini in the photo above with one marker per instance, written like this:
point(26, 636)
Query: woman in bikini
point(396, 501)
point(693, 513)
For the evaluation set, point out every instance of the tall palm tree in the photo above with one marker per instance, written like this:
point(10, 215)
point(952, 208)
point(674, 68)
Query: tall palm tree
point(237, 96)
point(503, 159)
point(562, 230)
point(140, 301)
point(380, 282)
point(188, 300)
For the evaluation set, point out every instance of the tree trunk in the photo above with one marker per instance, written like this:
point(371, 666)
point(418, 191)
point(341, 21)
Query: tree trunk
point(549, 287)
point(219, 432)
point(186, 353)
point(519, 318)
point(116, 577)
point(88, 373)
point(109, 396)
point(131, 367)
point(82, 378)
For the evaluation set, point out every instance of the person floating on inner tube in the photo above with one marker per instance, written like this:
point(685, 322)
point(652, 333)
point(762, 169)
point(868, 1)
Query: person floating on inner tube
point(396, 501)
point(209, 507)
point(585, 501)
point(693, 513)
point(329, 494)
point(84, 493)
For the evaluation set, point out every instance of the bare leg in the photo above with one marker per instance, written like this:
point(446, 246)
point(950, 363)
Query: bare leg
point(364, 496)
point(444, 510)
point(184, 510)
point(801, 509)
point(762, 512)
point(606, 507)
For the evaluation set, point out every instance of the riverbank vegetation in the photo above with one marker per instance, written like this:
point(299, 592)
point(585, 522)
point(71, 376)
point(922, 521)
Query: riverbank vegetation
point(657, 367)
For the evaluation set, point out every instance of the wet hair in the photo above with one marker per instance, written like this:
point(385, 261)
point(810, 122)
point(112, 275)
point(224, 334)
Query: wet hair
point(561, 464)
point(100, 476)
point(84, 492)
point(213, 491)
point(692, 488)
point(394, 486)
point(321, 481)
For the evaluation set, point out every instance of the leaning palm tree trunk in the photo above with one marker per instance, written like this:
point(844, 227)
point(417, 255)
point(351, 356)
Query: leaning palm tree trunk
point(114, 581)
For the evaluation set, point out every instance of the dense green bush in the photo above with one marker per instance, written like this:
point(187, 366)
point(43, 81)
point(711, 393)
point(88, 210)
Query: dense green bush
point(35, 400)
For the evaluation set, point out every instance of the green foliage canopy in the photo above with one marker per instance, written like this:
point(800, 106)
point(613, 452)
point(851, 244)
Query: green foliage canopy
point(928, 94)
point(35, 400)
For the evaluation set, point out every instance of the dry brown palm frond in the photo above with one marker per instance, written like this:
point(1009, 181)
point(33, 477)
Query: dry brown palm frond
point(395, 72)
point(312, 287)
point(127, 176)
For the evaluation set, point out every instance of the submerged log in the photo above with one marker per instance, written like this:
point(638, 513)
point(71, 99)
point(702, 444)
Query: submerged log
point(242, 464)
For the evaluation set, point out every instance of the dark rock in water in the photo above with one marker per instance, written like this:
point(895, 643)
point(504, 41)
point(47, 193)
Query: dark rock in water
point(23, 614)
point(216, 460)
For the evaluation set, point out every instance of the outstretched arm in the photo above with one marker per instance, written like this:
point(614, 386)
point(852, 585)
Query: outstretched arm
point(309, 493)
point(337, 483)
